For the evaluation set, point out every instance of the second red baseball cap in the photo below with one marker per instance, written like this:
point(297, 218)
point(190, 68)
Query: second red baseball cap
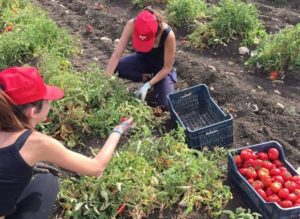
point(145, 28)
point(25, 85)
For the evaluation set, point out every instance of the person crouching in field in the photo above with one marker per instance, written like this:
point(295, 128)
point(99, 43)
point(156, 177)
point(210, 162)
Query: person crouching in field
point(155, 46)
point(25, 101)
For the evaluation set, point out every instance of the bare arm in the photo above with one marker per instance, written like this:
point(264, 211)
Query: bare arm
point(40, 147)
point(70, 160)
point(169, 56)
point(124, 40)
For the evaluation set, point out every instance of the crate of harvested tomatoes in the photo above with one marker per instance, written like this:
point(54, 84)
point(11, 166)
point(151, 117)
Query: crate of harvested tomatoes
point(269, 183)
point(204, 121)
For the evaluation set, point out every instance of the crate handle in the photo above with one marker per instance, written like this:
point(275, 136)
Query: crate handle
point(212, 132)
point(186, 95)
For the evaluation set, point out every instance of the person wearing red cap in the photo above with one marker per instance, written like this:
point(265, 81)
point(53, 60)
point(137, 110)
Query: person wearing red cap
point(25, 102)
point(155, 46)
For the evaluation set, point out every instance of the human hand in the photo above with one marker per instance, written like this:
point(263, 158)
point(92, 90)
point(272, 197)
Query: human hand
point(45, 168)
point(142, 91)
point(124, 125)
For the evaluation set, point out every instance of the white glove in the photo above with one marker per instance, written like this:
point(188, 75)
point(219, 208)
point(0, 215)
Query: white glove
point(124, 125)
point(142, 91)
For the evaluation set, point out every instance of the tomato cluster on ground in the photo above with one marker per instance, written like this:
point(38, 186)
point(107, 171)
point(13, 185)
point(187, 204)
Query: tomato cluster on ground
point(269, 177)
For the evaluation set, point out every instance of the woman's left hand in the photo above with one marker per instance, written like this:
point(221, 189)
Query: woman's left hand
point(45, 168)
point(142, 91)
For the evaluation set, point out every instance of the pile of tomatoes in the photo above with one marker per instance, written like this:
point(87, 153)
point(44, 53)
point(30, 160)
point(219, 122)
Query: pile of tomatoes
point(268, 176)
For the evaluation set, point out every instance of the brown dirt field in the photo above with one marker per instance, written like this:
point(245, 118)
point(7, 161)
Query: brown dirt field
point(233, 87)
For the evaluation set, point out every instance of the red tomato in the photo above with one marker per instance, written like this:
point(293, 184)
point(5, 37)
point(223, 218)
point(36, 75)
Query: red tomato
point(248, 163)
point(251, 173)
point(257, 164)
point(286, 204)
point(267, 181)
point(297, 201)
point(278, 163)
point(262, 193)
point(243, 171)
point(286, 175)
point(249, 150)
point(297, 193)
point(276, 186)
point(275, 172)
point(296, 205)
point(268, 165)
point(283, 193)
point(290, 185)
point(282, 169)
point(257, 184)
point(273, 198)
point(121, 209)
point(8, 28)
point(262, 173)
point(296, 179)
point(237, 158)
point(245, 154)
point(273, 154)
point(278, 179)
point(292, 197)
point(269, 191)
point(250, 180)
point(262, 156)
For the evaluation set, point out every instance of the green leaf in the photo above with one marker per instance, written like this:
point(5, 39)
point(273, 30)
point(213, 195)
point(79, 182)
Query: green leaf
point(78, 206)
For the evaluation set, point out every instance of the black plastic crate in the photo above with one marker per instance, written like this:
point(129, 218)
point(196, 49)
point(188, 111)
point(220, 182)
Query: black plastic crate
point(269, 210)
point(204, 122)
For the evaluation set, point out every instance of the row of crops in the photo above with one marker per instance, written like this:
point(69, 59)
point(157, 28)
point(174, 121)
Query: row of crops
point(221, 23)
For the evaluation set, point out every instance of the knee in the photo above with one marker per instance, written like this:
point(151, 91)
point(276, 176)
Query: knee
point(50, 181)
point(122, 66)
point(53, 182)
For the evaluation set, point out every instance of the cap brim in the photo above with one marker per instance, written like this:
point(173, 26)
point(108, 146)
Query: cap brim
point(53, 93)
point(142, 45)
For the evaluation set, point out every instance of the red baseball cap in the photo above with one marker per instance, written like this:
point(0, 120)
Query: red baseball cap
point(25, 85)
point(145, 28)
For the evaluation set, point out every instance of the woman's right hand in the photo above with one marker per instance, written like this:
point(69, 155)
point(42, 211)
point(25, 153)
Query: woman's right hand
point(124, 126)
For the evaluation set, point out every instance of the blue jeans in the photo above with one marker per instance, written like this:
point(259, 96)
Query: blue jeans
point(132, 67)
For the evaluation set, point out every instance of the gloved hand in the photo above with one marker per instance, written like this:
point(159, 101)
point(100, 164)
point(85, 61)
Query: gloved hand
point(142, 91)
point(124, 126)
point(45, 168)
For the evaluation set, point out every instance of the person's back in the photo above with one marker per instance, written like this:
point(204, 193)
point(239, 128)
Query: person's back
point(15, 173)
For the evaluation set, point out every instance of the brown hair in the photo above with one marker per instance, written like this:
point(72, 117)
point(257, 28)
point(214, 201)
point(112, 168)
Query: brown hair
point(159, 17)
point(12, 117)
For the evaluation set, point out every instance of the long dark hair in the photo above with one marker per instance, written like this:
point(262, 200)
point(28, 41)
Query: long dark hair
point(12, 117)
